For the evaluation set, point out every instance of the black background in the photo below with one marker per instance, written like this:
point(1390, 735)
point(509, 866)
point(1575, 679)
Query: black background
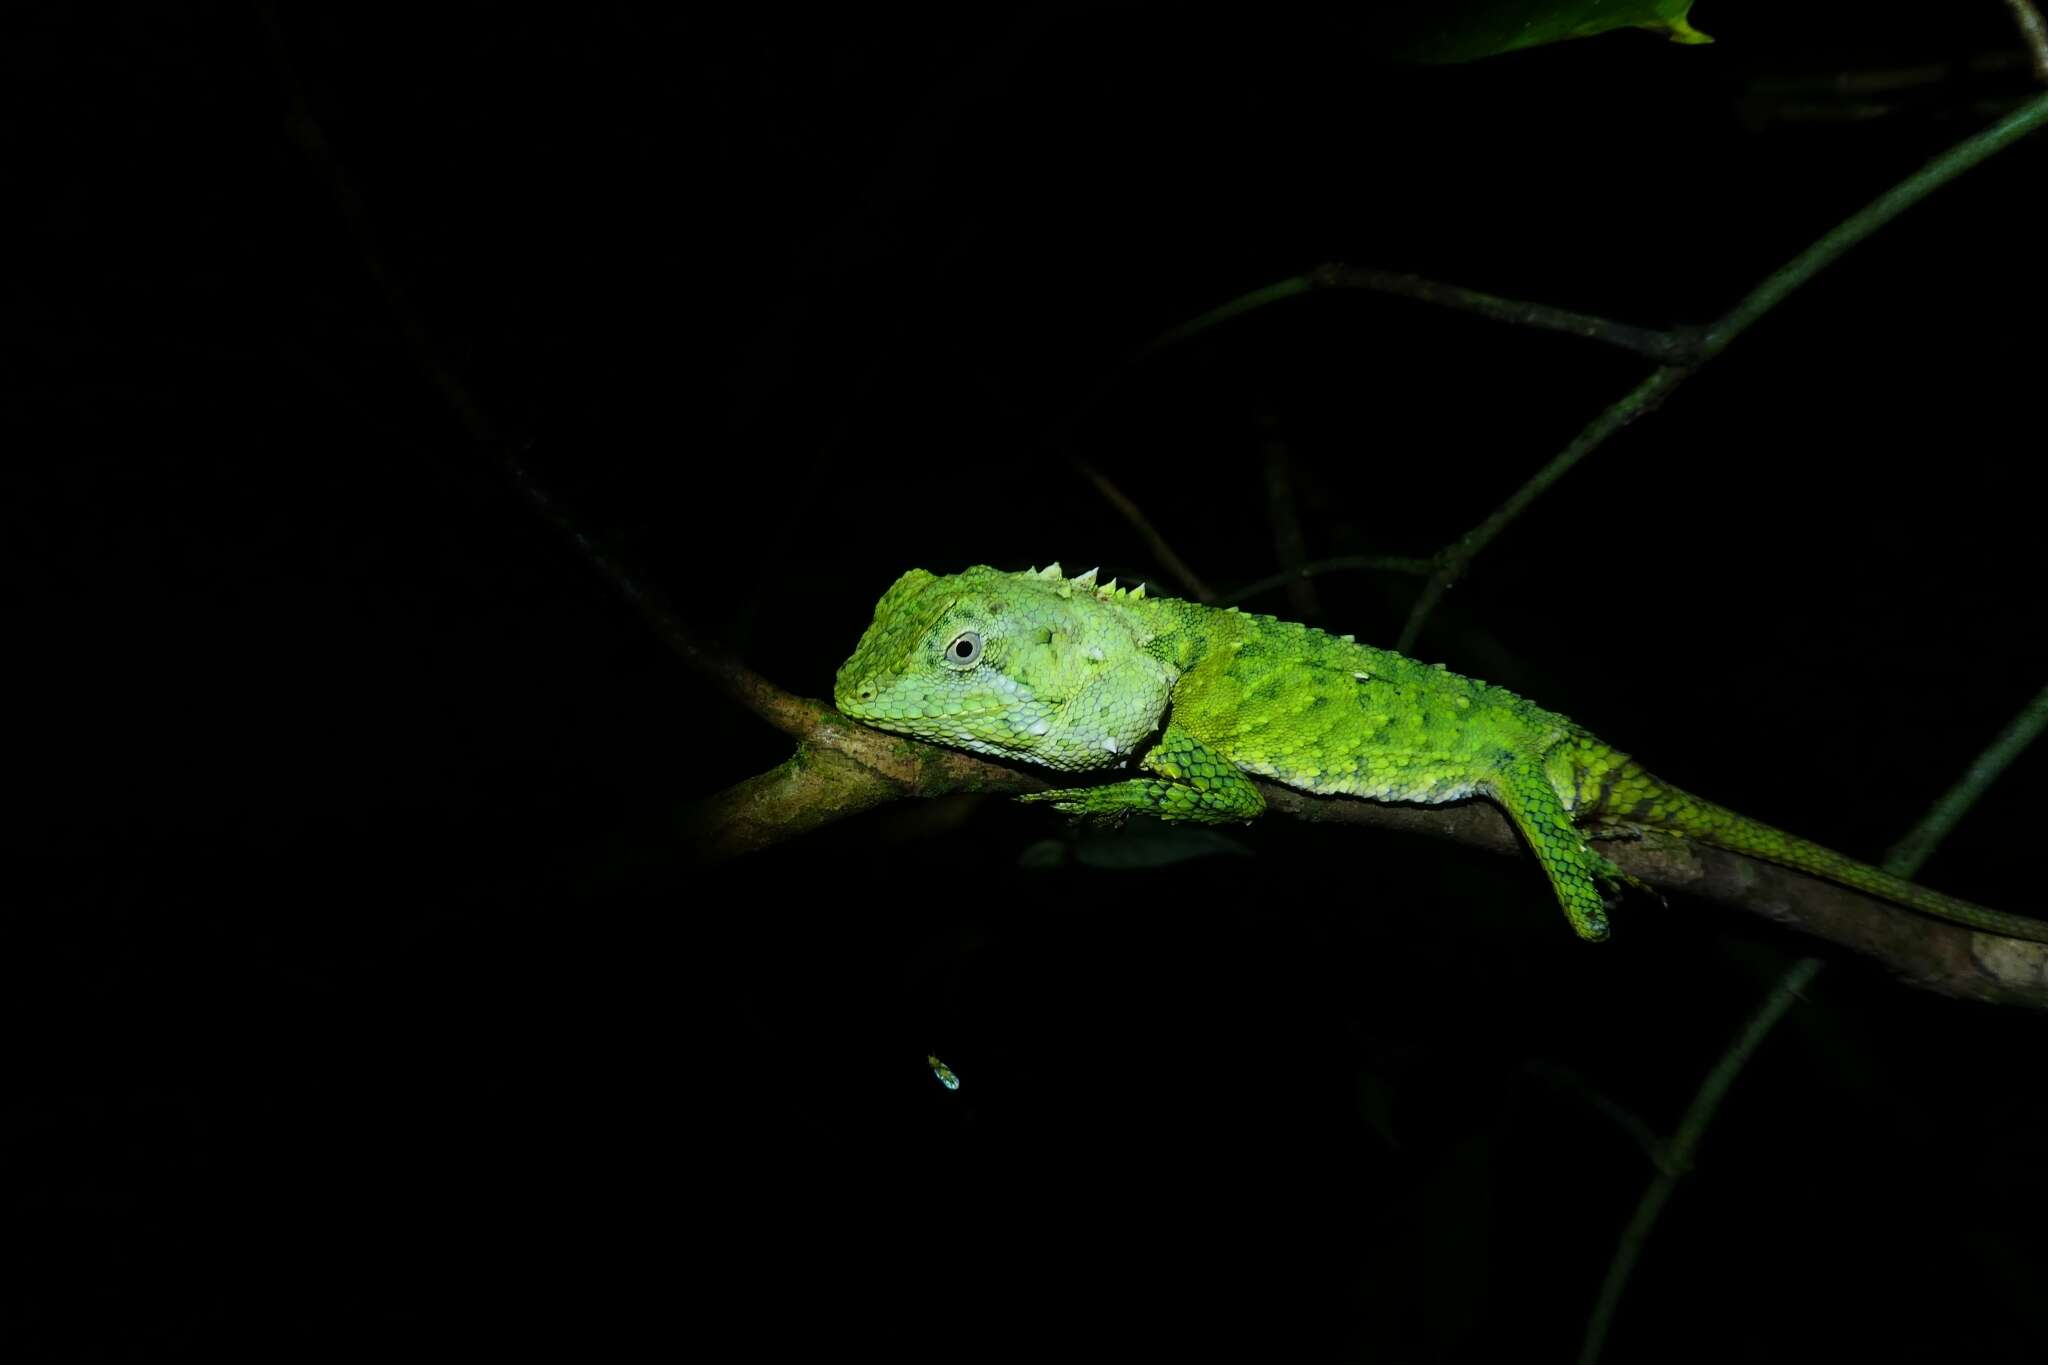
point(357, 1000)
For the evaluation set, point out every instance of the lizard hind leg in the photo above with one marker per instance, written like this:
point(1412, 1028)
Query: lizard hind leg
point(1575, 870)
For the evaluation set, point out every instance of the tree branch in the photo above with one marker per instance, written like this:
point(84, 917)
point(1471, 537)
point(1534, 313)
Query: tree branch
point(840, 767)
point(814, 789)
point(1933, 954)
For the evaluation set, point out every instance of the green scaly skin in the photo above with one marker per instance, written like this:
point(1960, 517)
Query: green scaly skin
point(1080, 677)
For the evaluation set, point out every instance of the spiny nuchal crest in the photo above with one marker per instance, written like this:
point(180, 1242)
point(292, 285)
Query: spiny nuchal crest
point(1027, 665)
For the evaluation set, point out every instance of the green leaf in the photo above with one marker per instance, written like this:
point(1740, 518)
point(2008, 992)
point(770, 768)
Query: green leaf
point(1433, 31)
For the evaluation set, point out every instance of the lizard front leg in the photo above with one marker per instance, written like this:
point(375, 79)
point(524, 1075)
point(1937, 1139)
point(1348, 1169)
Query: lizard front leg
point(1193, 783)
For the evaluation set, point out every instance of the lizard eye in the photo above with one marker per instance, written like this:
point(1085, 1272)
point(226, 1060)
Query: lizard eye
point(965, 650)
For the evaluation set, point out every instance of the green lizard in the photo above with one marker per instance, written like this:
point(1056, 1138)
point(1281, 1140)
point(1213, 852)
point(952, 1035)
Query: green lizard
point(1079, 676)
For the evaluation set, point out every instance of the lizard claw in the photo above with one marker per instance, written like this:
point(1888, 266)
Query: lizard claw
point(1083, 803)
point(1615, 882)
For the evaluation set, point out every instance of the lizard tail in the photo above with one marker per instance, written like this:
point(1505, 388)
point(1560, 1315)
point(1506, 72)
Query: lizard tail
point(1706, 823)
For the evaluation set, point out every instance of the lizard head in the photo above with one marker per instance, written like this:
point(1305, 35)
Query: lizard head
point(1017, 665)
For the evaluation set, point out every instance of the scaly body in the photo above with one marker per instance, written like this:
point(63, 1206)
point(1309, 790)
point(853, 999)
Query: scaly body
point(1079, 677)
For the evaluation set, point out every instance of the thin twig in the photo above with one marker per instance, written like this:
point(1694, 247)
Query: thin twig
point(1669, 346)
point(1678, 1152)
point(1162, 551)
point(1715, 338)
point(1288, 288)
point(306, 134)
point(1868, 219)
point(1452, 561)
point(1627, 1120)
point(1316, 567)
point(1290, 541)
point(1903, 860)
point(1913, 850)
point(2033, 33)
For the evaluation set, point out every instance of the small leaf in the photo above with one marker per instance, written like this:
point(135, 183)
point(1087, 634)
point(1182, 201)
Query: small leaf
point(1433, 31)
